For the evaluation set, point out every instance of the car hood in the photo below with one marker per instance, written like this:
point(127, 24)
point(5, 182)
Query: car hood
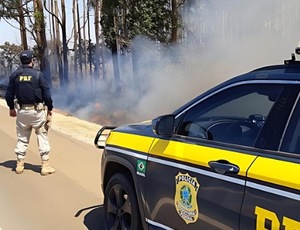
point(143, 128)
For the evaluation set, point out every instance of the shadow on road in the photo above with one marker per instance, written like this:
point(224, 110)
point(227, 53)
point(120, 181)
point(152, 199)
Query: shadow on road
point(12, 164)
point(94, 219)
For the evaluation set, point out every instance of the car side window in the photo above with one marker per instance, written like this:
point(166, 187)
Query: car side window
point(291, 140)
point(234, 115)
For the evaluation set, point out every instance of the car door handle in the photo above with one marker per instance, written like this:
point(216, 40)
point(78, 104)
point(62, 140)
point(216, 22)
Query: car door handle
point(223, 167)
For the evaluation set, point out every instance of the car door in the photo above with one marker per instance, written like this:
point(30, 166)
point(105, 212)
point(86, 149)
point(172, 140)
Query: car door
point(196, 178)
point(272, 195)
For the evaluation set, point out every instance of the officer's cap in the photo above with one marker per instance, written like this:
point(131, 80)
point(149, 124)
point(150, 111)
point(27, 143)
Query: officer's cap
point(26, 56)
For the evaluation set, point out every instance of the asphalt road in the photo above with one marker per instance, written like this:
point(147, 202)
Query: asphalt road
point(70, 199)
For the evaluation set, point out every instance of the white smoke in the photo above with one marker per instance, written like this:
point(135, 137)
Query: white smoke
point(222, 39)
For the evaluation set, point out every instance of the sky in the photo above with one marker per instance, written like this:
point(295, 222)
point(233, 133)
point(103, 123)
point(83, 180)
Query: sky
point(8, 33)
point(9, 30)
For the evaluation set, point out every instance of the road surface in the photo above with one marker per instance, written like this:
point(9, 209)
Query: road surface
point(70, 199)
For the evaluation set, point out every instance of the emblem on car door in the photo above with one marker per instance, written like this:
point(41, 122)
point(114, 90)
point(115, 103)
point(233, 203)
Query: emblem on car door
point(186, 197)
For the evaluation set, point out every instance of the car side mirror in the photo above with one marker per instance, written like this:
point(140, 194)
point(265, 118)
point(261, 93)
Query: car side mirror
point(164, 125)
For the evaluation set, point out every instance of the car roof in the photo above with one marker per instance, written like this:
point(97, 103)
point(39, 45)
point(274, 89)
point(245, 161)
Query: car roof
point(288, 71)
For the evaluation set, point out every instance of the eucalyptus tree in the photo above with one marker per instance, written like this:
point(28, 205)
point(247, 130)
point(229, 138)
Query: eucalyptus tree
point(29, 15)
point(14, 9)
point(79, 38)
point(89, 6)
point(55, 43)
point(75, 46)
point(108, 23)
point(9, 57)
point(85, 20)
point(22, 25)
point(96, 5)
point(61, 21)
point(39, 27)
point(123, 20)
point(176, 19)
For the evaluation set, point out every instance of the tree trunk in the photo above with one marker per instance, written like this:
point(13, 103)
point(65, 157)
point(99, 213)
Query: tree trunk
point(114, 50)
point(89, 48)
point(65, 46)
point(54, 62)
point(89, 45)
point(40, 29)
point(22, 26)
point(174, 22)
point(58, 46)
point(136, 58)
point(84, 36)
point(97, 37)
point(74, 11)
point(118, 86)
point(102, 58)
point(79, 39)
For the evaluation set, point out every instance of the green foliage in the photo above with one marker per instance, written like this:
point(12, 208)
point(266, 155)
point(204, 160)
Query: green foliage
point(124, 19)
point(8, 9)
point(39, 20)
point(10, 50)
point(153, 20)
point(9, 55)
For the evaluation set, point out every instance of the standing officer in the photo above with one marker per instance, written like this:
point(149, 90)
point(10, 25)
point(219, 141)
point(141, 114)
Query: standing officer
point(26, 96)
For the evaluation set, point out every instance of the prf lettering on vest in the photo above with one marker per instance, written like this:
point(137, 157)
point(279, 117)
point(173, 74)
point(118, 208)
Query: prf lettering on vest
point(263, 214)
point(25, 78)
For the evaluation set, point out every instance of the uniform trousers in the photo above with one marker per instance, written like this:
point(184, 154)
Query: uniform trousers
point(28, 120)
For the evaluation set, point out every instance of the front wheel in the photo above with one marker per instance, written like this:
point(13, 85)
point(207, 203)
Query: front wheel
point(120, 204)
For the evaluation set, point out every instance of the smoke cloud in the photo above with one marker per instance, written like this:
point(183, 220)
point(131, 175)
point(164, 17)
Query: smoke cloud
point(222, 39)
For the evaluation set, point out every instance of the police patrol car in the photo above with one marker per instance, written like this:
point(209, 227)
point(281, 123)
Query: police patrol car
point(228, 159)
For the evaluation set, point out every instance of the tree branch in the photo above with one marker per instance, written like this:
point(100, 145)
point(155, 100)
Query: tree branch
point(59, 21)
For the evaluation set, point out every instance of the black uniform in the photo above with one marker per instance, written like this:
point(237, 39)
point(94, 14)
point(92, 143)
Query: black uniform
point(29, 87)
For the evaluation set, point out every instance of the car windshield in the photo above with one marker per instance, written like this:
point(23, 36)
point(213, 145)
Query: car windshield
point(240, 110)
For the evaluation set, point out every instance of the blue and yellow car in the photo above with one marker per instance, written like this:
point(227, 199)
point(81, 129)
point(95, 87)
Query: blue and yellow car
point(228, 159)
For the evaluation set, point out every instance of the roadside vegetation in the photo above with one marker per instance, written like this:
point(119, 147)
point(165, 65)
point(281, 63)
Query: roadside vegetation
point(66, 58)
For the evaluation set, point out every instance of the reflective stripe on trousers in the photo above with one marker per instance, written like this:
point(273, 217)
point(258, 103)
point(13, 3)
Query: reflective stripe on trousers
point(25, 122)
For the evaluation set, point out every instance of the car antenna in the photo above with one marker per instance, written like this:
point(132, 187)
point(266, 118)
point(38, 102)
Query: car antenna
point(293, 56)
point(297, 50)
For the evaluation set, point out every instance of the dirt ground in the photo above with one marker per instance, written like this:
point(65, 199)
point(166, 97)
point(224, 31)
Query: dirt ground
point(71, 198)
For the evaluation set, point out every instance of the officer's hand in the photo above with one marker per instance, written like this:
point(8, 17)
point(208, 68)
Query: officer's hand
point(49, 113)
point(12, 113)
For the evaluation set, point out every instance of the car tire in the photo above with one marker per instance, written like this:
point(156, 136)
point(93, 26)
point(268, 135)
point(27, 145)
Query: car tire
point(120, 204)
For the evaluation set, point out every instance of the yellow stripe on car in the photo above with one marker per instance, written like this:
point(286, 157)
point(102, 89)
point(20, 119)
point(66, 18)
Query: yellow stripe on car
point(264, 169)
point(276, 171)
point(184, 152)
point(130, 141)
point(200, 155)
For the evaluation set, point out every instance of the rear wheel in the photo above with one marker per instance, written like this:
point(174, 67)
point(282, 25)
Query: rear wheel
point(120, 205)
